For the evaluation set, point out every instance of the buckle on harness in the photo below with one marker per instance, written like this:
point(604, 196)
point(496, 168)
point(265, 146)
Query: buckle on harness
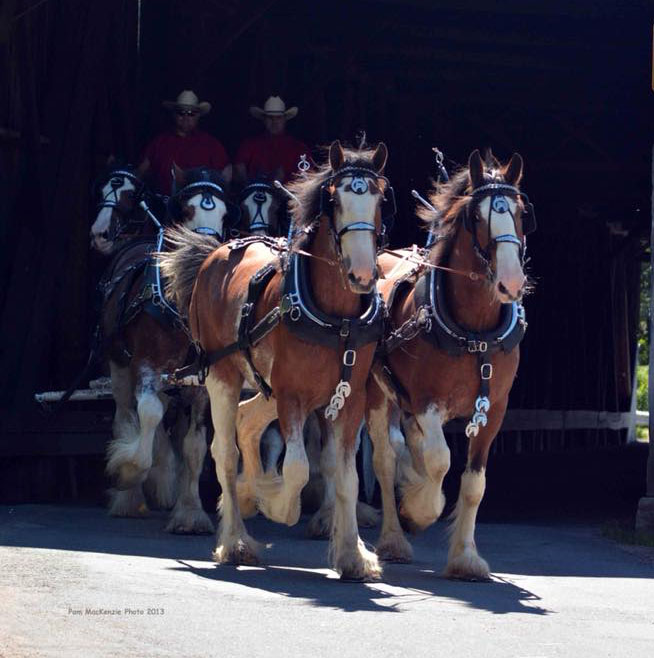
point(203, 367)
point(486, 370)
point(349, 358)
point(245, 310)
point(345, 329)
point(477, 346)
point(290, 304)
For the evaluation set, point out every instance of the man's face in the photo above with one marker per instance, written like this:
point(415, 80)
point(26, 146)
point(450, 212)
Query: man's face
point(186, 121)
point(275, 124)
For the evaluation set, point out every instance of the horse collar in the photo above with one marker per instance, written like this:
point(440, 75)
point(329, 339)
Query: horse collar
point(303, 317)
point(448, 335)
point(305, 320)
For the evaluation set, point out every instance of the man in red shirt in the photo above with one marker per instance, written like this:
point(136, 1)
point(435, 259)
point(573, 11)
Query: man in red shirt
point(274, 153)
point(185, 145)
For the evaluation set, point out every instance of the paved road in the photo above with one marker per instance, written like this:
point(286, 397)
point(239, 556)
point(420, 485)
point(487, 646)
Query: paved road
point(557, 591)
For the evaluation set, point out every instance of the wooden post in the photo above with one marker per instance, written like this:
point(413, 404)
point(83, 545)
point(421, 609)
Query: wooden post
point(645, 514)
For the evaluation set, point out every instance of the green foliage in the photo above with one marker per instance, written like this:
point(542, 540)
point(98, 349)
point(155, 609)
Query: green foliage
point(643, 322)
point(641, 388)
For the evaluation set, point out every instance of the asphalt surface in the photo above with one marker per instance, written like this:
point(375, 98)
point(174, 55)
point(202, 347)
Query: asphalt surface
point(76, 583)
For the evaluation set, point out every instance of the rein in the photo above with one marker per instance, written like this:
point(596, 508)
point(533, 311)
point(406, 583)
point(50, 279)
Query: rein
point(415, 258)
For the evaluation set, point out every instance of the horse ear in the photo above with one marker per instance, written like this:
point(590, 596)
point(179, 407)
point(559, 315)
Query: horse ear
point(336, 156)
point(380, 157)
point(476, 169)
point(513, 172)
point(178, 176)
point(227, 173)
point(111, 160)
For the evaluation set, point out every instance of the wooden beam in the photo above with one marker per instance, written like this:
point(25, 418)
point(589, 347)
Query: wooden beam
point(574, 419)
point(472, 37)
point(82, 432)
point(236, 28)
point(448, 55)
point(583, 9)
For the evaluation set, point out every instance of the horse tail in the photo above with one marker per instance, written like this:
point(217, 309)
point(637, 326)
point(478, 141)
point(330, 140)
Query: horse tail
point(180, 263)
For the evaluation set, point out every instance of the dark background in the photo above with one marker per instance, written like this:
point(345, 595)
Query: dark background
point(568, 85)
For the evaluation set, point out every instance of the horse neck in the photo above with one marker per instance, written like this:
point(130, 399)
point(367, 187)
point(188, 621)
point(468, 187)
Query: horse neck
point(472, 304)
point(330, 291)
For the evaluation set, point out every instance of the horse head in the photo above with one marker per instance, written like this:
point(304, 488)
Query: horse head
point(119, 191)
point(260, 206)
point(199, 200)
point(349, 192)
point(356, 191)
point(499, 216)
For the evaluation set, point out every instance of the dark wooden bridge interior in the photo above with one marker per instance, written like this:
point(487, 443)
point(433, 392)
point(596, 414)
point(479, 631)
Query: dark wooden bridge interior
point(568, 85)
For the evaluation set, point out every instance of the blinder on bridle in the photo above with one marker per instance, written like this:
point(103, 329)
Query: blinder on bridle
point(125, 216)
point(209, 191)
point(258, 192)
point(359, 185)
point(498, 204)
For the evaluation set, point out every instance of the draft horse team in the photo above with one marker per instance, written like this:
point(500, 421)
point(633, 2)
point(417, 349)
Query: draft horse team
point(333, 330)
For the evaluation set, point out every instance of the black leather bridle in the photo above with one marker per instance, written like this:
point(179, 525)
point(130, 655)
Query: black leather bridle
point(499, 205)
point(359, 185)
point(123, 217)
point(209, 191)
point(258, 192)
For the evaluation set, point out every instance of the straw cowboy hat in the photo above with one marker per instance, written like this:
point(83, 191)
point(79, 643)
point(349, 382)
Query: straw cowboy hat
point(273, 107)
point(187, 100)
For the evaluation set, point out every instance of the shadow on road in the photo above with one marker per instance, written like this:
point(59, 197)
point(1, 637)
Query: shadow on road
point(401, 585)
point(297, 566)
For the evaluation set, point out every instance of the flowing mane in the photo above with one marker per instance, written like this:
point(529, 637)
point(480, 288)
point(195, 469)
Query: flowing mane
point(308, 188)
point(450, 200)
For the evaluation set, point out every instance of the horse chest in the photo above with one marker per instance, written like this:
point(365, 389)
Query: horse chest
point(451, 383)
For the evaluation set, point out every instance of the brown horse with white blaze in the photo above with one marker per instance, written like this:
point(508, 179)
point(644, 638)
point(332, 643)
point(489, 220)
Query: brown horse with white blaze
point(452, 351)
point(330, 320)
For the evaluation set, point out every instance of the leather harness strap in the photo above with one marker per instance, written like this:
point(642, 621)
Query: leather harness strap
point(302, 318)
point(433, 323)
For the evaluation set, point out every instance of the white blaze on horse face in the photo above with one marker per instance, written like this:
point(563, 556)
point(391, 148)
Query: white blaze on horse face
point(358, 247)
point(509, 277)
point(102, 222)
point(259, 213)
point(206, 217)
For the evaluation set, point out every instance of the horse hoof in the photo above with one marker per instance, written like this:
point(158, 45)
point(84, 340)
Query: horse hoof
point(468, 566)
point(190, 523)
point(395, 549)
point(319, 527)
point(367, 515)
point(241, 553)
